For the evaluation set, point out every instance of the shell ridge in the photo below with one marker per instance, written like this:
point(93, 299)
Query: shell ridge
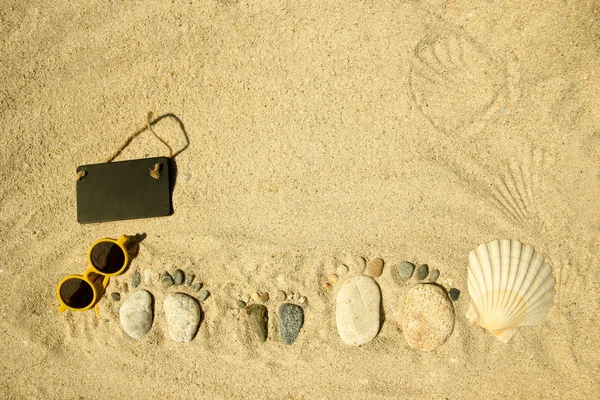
point(486, 264)
point(515, 252)
point(504, 273)
point(478, 300)
point(529, 284)
point(524, 260)
point(496, 266)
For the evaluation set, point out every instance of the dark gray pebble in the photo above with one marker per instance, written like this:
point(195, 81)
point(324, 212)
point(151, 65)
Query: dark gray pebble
point(203, 295)
point(422, 272)
point(178, 277)
point(197, 286)
point(291, 319)
point(116, 296)
point(405, 269)
point(241, 303)
point(136, 279)
point(166, 280)
point(454, 293)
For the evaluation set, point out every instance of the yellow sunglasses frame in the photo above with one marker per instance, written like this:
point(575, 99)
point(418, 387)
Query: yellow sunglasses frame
point(92, 273)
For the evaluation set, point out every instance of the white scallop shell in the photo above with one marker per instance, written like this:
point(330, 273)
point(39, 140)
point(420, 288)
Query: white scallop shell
point(510, 286)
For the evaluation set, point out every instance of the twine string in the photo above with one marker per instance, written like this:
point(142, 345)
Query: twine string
point(155, 172)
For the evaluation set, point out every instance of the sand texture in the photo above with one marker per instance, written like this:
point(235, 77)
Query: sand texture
point(318, 132)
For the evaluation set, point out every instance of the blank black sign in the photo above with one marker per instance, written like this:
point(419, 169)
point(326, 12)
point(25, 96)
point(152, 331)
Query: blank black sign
point(124, 190)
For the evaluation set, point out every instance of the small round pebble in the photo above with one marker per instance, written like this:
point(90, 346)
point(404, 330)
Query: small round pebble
point(375, 267)
point(360, 264)
point(255, 296)
point(302, 300)
point(189, 279)
point(178, 277)
point(342, 270)
point(406, 269)
point(203, 295)
point(241, 303)
point(136, 279)
point(422, 272)
point(116, 296)
point(280, 295)
point(150, 277)
point(197, 286)
point(327, 286)
point(246, 298)
point(125, 288)
point(332, 278)
point(434, 275)
point(453, 294)
point(296, 296)
point(264, 296)
point(166, 280)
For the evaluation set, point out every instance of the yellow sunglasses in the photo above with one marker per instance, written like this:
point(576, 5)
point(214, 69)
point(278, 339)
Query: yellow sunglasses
point(106, 257)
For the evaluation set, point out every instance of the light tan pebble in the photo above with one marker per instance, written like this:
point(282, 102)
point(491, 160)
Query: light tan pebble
point(280, 295)
point(327, 286)
point(150, 277)
point(255, 296)
point(302, 300)
point(296, 296)
point(342, 270)
point(434, 275)
point(264, 296)
point(375, 267)
point(246, 298)
point(332, 278)
point(360, 264)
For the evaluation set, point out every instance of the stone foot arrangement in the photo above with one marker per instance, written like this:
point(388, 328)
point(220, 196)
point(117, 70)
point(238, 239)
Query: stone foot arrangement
point(182, 311)
point(427, 317)
point(291, 316)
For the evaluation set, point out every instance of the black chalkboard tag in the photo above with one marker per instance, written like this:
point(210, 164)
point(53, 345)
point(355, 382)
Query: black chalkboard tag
point(124, 190)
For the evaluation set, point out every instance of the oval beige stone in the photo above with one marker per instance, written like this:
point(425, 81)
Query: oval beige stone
point(357, 311)
point(375, 267)
point(428, 317)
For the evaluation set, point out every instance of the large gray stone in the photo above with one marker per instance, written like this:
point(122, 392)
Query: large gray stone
point(183, 316)
point(357, 311)
point(136, 314)
point(291, 319)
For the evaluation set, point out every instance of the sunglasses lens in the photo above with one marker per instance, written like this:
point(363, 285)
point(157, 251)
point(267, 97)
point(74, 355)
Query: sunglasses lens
point(76, 293)
point(107, 257)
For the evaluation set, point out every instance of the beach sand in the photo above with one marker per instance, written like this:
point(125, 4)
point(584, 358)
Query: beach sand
point(318, 132)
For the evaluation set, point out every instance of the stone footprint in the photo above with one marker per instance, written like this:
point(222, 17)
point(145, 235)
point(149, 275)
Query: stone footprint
point(182, 311)
point(358, 305)
point(291, 318)
point(428, 314)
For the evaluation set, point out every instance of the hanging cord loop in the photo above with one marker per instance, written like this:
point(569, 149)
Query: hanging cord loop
point(155, 172)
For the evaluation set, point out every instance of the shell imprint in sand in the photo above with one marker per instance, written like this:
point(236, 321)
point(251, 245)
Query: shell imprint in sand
point(453, 79)
point(510, 286)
